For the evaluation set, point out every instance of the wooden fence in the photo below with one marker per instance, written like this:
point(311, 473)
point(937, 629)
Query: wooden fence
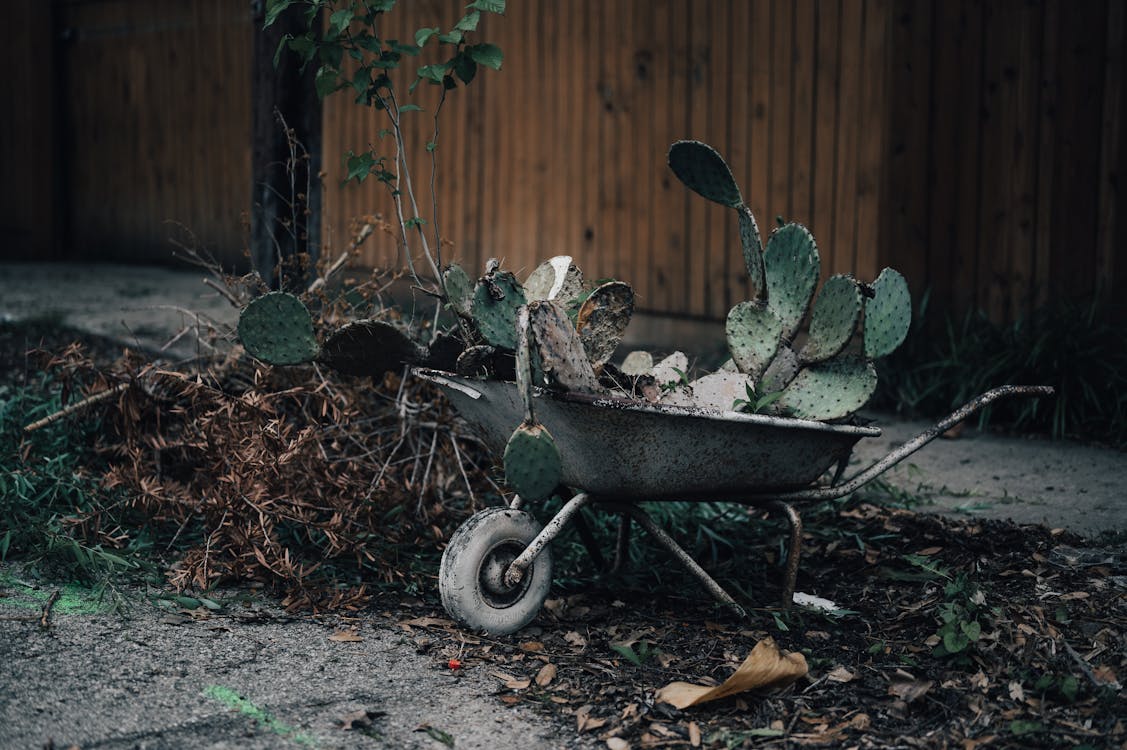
point(975, 145)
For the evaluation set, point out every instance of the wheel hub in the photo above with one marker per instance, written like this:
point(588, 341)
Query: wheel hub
point(491, 575)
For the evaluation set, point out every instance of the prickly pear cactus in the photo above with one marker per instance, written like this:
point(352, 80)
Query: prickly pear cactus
point(602, 320)
point(369, 347)
point(496, 299)
point(829, 390)
point(752, 249)
point(459, 289)
point(888, 314)
point(753, 332)
point(558, 352)
point(557, 278)
point(833, 319)
point(791, 265)
point(780, 372)
point(532, 462)
point(278, 329)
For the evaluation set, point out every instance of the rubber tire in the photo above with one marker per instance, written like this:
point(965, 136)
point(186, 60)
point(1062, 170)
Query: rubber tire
point(460, 580)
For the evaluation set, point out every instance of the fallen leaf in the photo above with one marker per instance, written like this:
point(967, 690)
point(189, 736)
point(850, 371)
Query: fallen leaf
point(345, 636)
point(694, 734)
point(980, 680)
point(532, 646)
point(765, 667)
point(814, 602)
point(575, 639)
point(518, 684)
point(617, 743)
point(860, 721)
point(502, 676)
point(970, 743)
point(909, 690)
point(428, 622)
point(361, 719)
point(840, 674)
point(929, 551)
point(1017, 693)
point(546, 674)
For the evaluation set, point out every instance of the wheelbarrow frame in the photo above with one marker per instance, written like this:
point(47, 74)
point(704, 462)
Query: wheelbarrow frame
point(493, 406)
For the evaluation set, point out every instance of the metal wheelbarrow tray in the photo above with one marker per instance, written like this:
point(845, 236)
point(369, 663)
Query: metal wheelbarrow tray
point(616, 452)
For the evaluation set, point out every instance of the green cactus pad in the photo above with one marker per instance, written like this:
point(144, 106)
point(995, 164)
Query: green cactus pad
point(496, 299)
point(602, 320)
point(888, 315)
point(833, 318)
point(753, 336)
point(753, 250)
point(705, 172)
point(370, 347)
point(780, 372)
point(791, 266)
point(459, 289)
point(558, 352)
point(829, 390)
point(278, 329)
point(532, 462)
point(555, 279)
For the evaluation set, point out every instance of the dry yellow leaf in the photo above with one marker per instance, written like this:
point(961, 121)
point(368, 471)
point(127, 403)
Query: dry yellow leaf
point(345, 636)
point(546, 674)
point(765, 667)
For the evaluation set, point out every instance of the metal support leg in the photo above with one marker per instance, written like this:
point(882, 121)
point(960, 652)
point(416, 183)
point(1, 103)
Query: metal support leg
point(622, 544)
point(515, 503)
point(683, 557)
point(794, 549)
point(518, 566)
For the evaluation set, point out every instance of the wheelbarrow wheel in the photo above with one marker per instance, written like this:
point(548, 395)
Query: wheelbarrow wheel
point(471, 576)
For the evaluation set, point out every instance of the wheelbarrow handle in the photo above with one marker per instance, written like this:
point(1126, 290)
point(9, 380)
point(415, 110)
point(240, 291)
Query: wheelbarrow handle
point(913, 445)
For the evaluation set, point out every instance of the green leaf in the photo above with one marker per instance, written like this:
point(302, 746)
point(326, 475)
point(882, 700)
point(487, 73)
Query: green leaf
point(411, 108)
point(452, 37)
point(285, 40)
point(464, 67)
point(433, 72)
point(275, 8)
point(1069, 688)
point(359, 166)
point(1021, 727)
point(340, 20)
point(327, 81)
point(972, 630)
point(488, 6)
point(954, 642)
point(469, 21)
point(431, 146)
point(305, 46)
point(422, 36)
point(488, 55)
point(414, 222)
point(627, 652)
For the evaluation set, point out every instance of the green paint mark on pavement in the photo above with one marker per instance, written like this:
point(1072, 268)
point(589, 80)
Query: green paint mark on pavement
point(233, 700)
point(74, 598)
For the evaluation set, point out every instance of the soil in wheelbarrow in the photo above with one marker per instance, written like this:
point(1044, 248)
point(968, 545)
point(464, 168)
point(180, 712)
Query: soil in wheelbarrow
point(944, 633)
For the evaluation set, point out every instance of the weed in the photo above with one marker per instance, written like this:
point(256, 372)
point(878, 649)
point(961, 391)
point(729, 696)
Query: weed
point(1074, 347)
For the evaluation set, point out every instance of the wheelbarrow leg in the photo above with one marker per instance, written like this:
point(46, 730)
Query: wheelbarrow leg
point(794, 549)
point(551, 530)
point(622, 544)
point(683, 557)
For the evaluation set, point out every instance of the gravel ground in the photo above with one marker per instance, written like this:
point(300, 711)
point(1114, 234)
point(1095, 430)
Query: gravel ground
point(249, 677)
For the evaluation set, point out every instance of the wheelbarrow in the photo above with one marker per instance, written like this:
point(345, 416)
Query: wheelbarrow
point(617, 452)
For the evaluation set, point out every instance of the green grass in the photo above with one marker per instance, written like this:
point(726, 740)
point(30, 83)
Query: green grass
point(1074, 347)
point(52, 503)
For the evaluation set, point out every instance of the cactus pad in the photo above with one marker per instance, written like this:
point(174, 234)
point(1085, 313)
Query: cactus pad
point(753, 250)
point(602, 320)
point(496, 299)
point(705, 172)
point(780, 372)
point(369, 347)
point(557, 350)
point(672, 369)
point(888, 314)
point(717, 391)
point(523, 362)
point(791, 266)
point(459, 289)
point(829, 390)
point(555, 279)
point(532, 462)
point(637, 364)
point(278, 329)
point(475, 362)
point(833, 318)
point(753, 336)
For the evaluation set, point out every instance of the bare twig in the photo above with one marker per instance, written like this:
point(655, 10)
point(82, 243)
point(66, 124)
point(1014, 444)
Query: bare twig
point(77, 407)
point(45, 618)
